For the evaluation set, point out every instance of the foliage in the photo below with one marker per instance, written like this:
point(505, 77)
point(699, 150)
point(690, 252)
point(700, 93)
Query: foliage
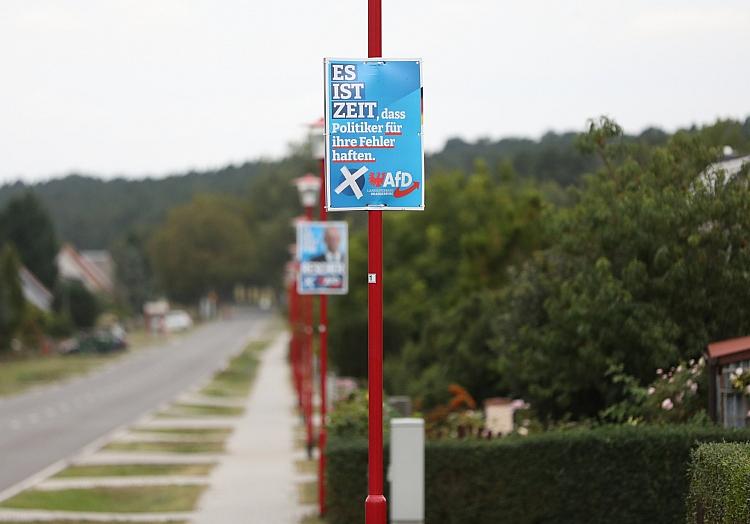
point(134, 275)
point(676, 395)
point(12, 302)
point(474, 227)
point(25, 223)
point(203, 246)
point(719, 488)
point(646, 268)
point(616, 474)
point(73, 301)
point(349, 418)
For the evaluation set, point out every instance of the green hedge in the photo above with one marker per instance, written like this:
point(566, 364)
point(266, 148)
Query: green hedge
point(607, 475)
point(719, 484)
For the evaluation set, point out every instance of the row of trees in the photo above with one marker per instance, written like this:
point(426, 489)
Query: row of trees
point(501, 289)
point(28, 239)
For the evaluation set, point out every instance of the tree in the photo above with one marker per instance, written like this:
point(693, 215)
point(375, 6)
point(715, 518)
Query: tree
point(72, 300)
point(203, 246)
point(26, 224)
point(441, 266)
point(134, 274)
point(647, 268)
point(12, 302)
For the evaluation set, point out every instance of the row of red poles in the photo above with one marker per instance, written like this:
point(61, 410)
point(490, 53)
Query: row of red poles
point(301, 349)
point(300, 307)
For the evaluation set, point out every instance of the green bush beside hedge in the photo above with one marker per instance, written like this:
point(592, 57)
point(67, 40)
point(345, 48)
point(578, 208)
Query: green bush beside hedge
point(607, 475)
point(719, 484)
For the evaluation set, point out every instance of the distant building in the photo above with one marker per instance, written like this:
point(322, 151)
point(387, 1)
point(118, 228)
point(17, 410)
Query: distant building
point(34, 291)
point(102, 260)
point(93, 270)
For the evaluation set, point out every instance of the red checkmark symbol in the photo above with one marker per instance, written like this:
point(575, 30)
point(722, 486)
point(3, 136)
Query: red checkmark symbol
point(398, 192)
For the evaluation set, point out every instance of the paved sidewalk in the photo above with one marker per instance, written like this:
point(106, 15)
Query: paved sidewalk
point(255, 480)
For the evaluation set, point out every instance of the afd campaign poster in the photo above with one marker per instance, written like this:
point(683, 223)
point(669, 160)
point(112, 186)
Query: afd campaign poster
point(323, 256)
point(374, 146)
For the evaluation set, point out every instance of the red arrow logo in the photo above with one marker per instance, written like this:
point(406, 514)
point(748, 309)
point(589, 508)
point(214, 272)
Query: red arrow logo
point(398, 192)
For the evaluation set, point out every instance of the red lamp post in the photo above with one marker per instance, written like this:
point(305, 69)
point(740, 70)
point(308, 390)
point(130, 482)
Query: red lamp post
point(375, 505)
point(292, 301)
point(317, 139)
point(308, 187)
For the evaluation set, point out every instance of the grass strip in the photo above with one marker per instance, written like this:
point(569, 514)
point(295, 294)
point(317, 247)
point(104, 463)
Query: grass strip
point(84, 522)
point(306, 466)
point(208, 433)
point(308, 492)
point(193, 410)
point(167, 447)
point(312, 519)
point(137, 499)
point(235, 380)
point(20, 373)
point(136, 470)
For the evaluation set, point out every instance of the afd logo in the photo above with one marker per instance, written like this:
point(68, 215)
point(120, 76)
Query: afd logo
point(402, 182)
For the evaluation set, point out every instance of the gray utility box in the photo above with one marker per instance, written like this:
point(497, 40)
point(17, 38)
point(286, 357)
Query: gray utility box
point(406, 471)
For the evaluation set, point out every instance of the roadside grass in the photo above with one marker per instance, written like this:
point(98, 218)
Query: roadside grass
point(137, 499)
point(83, 522)
point(307, 492)
point(167, 447)
point(136, 470)
point(306, 466)
point(196, 432)
point(207, 434)
point(235, 380)
point(195, 410)
point(22, 372)
point(312, 519)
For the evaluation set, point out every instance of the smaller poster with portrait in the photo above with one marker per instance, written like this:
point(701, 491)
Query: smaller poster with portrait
point(323, 257)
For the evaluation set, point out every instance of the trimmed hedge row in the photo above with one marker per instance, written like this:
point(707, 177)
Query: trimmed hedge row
point(612, 474)
point(719, 484)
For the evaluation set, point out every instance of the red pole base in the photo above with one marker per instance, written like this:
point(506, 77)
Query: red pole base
point(376, 509)
point(323, 438)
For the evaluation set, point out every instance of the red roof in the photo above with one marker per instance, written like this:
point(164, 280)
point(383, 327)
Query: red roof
point(726, 348)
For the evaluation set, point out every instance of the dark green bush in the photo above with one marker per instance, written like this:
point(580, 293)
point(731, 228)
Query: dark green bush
point(612, 475)
point(719, 484)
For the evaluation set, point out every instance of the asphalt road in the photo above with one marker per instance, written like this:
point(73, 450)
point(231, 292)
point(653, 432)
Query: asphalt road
point(52, 423)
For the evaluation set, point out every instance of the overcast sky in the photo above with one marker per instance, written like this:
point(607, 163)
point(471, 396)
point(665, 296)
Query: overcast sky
point(150, 87)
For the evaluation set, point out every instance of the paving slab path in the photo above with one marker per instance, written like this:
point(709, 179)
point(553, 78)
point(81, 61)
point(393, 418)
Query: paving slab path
point(255, 481)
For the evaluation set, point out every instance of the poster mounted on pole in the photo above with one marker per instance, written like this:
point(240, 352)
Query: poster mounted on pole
point(323, 256)
point(373, 126)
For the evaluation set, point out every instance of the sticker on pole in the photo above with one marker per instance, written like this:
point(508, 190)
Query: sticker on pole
point(374, 150)
point(322, 253)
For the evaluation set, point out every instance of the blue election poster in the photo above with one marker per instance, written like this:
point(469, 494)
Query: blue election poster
point(323, 257)
point(374, 152)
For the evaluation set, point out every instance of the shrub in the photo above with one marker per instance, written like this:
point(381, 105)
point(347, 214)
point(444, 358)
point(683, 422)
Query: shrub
point(614, 474)
point(719, 484)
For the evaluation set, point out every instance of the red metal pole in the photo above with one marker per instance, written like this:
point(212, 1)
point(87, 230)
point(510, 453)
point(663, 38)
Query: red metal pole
point(308, 366)
point(323, 328)
point(294, 342)
point(375, 504)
